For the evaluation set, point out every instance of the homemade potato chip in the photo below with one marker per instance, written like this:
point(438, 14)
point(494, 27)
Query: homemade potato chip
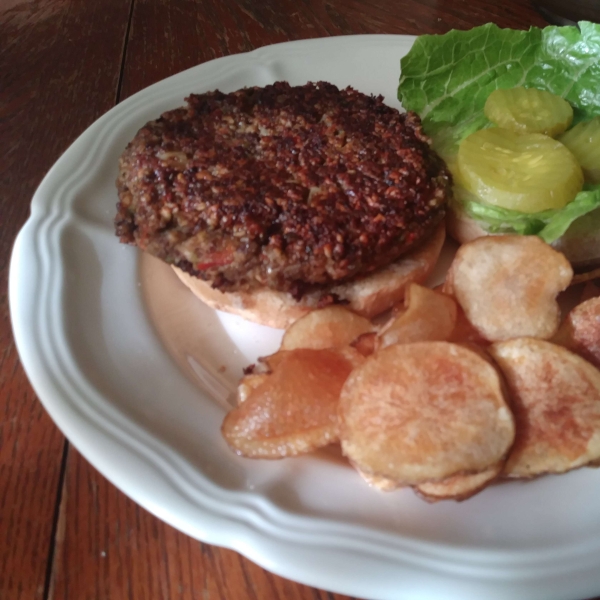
point(325, 328)
point(464, 332)
point(380, 483)
point(418, 412)
point(293, 409)
point(459, 487)
point(507, 285)
point(365, 343)
point(422, 403)
point(429, 316)
point(248, 384)
point(556, 402)
point(580, 331)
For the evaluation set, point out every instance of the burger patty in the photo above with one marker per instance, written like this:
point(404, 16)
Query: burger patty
point(292, 188)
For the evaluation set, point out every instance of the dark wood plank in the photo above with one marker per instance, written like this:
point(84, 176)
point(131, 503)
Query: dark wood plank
point(110, 548)
point(59, 68)
point(169, 37)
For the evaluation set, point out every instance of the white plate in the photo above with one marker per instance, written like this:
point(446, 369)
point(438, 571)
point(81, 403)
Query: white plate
point(144, 402)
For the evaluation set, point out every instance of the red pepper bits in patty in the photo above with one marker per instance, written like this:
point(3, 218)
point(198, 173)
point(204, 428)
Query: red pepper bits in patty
point(292, 188)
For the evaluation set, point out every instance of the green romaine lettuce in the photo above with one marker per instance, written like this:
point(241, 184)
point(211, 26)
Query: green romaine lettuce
point(447, 79)
point(548, 224)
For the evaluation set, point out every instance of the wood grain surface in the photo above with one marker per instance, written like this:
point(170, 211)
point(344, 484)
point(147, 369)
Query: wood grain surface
point(60, 62)
point(65, 531)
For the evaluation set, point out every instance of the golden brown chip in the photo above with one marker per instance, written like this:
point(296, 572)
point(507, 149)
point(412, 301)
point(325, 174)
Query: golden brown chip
point(325, 328)
point(556, 401)
point(429, 316)
point(464, 332)
point(459, 487)
point(292, 410)
point(418, 412)
point(445, 287)
point(580, 331)
point(507, 285)
point(268, 364)
point(365, 343)
point(380, 483)
point(248, 384)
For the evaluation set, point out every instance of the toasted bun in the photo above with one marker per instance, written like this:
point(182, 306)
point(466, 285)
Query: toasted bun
point(461, 227)
point(367, 296)
point(580, 243)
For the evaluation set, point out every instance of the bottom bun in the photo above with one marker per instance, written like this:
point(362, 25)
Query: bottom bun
point(367, 296)
point(461, 227)
point(580, 243)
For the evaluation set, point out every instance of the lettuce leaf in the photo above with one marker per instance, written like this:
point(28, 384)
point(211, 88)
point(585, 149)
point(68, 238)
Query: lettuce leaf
point(585, 202)
point(447, 79)
point(548, 224)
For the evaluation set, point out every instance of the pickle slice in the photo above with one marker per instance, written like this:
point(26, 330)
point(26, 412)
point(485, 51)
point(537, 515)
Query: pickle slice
point(528, 172)
point(583, 141)
point(527, 110)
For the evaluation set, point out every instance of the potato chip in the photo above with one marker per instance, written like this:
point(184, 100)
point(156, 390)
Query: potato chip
point(365, 343)
point(464, 332)
point(507, 285)
point(248, 384)
point(292, 410)
point(429, 316)
point(380, 483)
point(459, 487)
point(580, 331)
point(556, 401)
point(325, 328)
point(418, 412)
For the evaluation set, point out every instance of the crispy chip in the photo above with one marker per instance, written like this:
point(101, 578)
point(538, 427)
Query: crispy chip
point(328, 327)
point(429, 316)
point(292, 410)
point(380, 483)
point(424, 411)
point(507, 285)
point(580, 331)
point(248, 384)
point(556, 401)
point(459, 487)
point(464, 332)
point(365, 343)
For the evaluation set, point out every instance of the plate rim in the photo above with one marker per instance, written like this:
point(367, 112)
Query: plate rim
point(250, 538)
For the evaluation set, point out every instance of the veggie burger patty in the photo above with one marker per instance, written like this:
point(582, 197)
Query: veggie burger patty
point(290, 188)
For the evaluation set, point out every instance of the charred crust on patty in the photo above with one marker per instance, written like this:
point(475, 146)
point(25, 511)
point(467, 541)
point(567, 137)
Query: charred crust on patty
point(290, 188)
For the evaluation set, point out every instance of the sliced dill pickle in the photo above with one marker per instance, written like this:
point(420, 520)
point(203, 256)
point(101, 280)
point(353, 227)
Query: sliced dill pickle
point(527, 110)
point(526, 172)
point(583, 141)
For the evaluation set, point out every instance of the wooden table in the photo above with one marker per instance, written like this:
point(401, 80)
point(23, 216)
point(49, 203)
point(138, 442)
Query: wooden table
point(66, 532)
